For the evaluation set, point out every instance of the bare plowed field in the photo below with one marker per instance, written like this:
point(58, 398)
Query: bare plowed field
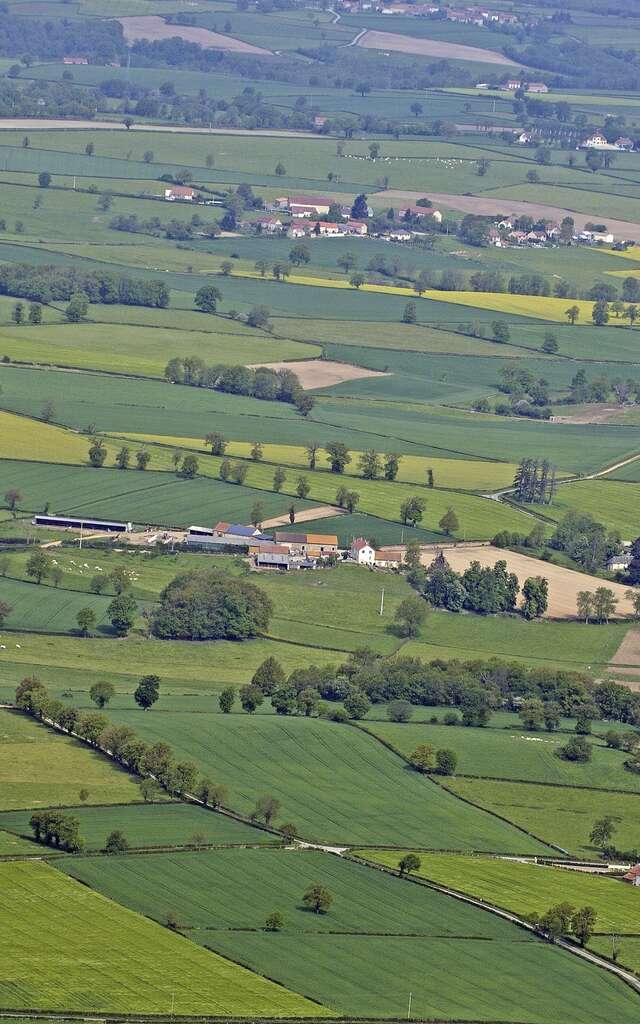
point(322, 373)
point(564, 584)
point(153, 27)
point(431, 48)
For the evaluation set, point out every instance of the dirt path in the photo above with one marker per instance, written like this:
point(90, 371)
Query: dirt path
point(306, 515)
point(564, 584)
point(153, 27)
point(491, 206)
point(322, 373)
point(432, 48)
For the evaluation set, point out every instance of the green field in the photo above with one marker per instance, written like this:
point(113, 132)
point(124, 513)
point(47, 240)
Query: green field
point(12, 845)
point(143, 968)
point(40, 768)
point(149, 825)
point(560, 815)
point(513, 754)
point(525, 888)
point(342, 958)
point(611, 502)
point(337, 768)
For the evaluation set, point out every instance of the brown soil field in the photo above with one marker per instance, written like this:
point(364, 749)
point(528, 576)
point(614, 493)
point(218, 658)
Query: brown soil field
point(153, 27)
point(306, 515)
point(485, 206)
point(564, 584)
point(431, 48)
point(597, 413)
point(322, 373)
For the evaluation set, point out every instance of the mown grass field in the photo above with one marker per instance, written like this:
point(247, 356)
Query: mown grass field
point(143, 968)
point(611, 502)
point(513, 754)
point(337, 769)
point(148, 825)
point(526, 888)
point(12, 845)
point(342, 958)
point(559, 814)
point(40, 768)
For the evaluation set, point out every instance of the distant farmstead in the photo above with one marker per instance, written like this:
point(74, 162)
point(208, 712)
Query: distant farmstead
point(180, 192)
point(75, 60)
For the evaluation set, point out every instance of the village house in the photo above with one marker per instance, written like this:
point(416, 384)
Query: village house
point(513, 84)
point(421, 212)
point(618, 563)
point(304, 206)
point(75, 60)
point(269, 224)
point(597, 141)
point(397, 235)
point(362, 552)
point(319, 121)
point(328, 228)
point(624, 143)
point(389, 559)
point(356, 227)
point(538, 87)
point(180, 192)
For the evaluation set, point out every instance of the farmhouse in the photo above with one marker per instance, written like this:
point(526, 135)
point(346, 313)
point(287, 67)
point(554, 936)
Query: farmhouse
point(75, 60)
point(633, 876)
point(326, 227)
point(362, 552)
point(540, 87)
point(180, 192)
point(269, 224)
point(356, 227)
point(304, 206)
point(617, 563)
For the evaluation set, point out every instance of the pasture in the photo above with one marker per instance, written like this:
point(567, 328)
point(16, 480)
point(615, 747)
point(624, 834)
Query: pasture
point(148, 825)
point(526, 888)
point(373, 942)
point(513, 754)
point(41, 768)
point(337, 768)
point(50, 609)
point(561, 815)
point(610, 501)
point(144, 968)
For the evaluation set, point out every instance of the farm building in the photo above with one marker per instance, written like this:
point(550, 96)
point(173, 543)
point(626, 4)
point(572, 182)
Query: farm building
point(633, 876)
point(362, 552)
point(226, 535)
point(389, 558)
point(73, 523)
point(617, 563)
point(318, 545)
point(75, 60)
point(180, 192)
point(269, 224)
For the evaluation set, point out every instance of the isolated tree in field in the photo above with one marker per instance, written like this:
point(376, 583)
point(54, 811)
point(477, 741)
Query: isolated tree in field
point(410, 862)
point(17, 313)
point(631, 314)
point(600, 313)
point(78, 308)
point(399, 711)
point(44, 179)
point(550, 343)
point(279, 478)
point(267, 809)
point(583, 924)
point(535, 593)
point(147, 692)
point(604, 604)
point(449, 522)
point(446, 762)
point(261, 266)
point(357, 280)
point(102, 692)
point(119, 579)
point(97, 453)
point(226, 267)
point(251, 698)
point(257, 514)
point(303, 487)
point(274, 922)
point(576, 749)
point(280, 169)
point(318, 899)
point(422, 758)
point(370, 464)
point(391, 466)
point(572, 314)
point(299, 254)
point(347, 262)
point(585, 605)
point(57, 575)
point(116, 842)
point(312, 450)
point(500, 331)
point(602, 832)
point(410, 615)
point(482, 166)
point(409, 314)
point(12, 498)
point(176, 458)
point(5, 611)
point(412, 509)
point(39, 565)
point(189, 467)
point(123, 458)
point(207, 298)
point(227, 699)
point(416, 108)
point(430, 478)
point(86, 619)
point(143, 458)
point(238, 472)
point(339, 456)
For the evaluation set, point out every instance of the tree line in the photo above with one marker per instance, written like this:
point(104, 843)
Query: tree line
point(263, 382)
point(52, 283)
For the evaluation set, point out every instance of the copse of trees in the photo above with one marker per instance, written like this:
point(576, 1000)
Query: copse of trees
point(209, 605)
point(54, 283)
point(482, 589)
point(585, 540)
point(263, 382)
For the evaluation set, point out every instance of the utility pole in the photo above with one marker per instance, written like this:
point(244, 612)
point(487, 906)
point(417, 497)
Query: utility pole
point(382, 601)
point(81, 525)
point(409, 1010)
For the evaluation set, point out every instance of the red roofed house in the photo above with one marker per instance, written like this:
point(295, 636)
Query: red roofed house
point(356, 227)
point(269, 224)
point(327, 227)
point(633, 876)
point(180, 192)
point(362, 552)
